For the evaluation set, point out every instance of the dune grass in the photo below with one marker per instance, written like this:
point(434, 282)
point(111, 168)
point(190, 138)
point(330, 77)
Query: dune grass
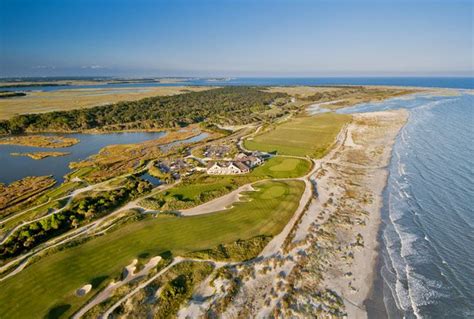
point(301, 136)
point(50, 283)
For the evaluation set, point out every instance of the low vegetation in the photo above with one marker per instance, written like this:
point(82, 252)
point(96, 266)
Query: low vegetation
point(301, 136)
point(10, 94)
point(194, 191)
point(282, 167)
point(115, 160)
point(169, 293)
point(41, 155)
point(80, 212)
point(237, 250)
point(24, 190)
point(48, 141)
point(348, 96)
point(343, 95)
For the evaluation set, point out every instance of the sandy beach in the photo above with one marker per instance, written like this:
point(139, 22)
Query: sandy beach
point(372, 136)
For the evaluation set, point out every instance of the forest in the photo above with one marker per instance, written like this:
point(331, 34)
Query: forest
point(234, 105)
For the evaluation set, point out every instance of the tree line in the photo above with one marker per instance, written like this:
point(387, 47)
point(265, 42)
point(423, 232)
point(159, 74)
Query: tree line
point(231, 104)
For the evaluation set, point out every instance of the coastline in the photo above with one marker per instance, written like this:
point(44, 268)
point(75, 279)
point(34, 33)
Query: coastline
point(374, 302)
point(354, 274)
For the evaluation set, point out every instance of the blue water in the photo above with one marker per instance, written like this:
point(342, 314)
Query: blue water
point(446, 82)
point(13, 168)
point(152, 179)
point(428, 215)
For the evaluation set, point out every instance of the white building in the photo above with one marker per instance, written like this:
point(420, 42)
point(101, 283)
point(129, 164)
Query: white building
point(227, 168)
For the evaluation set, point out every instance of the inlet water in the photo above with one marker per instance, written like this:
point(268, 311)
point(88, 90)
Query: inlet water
point(13, 168)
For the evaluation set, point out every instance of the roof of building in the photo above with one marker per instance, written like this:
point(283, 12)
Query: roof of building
point(241, 166)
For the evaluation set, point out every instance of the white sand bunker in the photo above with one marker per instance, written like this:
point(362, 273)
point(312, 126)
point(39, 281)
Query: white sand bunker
point(84, 290)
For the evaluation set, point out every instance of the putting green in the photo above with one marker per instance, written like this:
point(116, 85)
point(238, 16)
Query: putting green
point(282, 167)
point(288, 164)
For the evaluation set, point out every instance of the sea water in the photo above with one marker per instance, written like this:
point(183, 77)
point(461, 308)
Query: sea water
point(427, 236)
point(443, 82)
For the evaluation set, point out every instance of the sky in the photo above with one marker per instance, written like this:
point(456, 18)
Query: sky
point(297, 38)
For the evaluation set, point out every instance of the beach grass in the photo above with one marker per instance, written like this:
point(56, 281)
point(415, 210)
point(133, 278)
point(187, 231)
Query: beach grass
point(50, 283)
point(301, 136)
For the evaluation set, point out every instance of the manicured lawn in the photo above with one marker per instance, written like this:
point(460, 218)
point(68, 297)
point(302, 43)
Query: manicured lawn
point(301, 136)
point(282, 167)
point(52, 281)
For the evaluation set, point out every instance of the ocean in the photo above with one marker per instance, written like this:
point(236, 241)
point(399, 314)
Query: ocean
point(427, 233)
point(442, 82)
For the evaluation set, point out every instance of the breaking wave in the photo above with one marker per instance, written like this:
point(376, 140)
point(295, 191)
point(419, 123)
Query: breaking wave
point(428, 215)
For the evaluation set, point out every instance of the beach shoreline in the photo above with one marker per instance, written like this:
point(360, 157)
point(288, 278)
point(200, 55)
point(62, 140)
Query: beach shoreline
point(354, 273)
point(374, 302)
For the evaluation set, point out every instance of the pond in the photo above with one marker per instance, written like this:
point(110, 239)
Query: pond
point(150, 178)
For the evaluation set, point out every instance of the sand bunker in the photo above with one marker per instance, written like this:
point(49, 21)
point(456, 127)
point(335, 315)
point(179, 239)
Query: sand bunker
point(84, 290)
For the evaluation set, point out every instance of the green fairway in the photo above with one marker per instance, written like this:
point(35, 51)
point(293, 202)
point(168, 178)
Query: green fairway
point(51, 282)
point(301, 136)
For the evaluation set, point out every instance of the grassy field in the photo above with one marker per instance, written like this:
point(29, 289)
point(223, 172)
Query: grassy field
point(282, 167)
point(51, 282)
point(41, 102)
point(301, 136)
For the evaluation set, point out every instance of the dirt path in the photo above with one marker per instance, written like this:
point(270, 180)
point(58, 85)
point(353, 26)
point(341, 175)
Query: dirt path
point(240, 143)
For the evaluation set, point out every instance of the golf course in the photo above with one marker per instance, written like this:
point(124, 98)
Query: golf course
point(300, 136)
point(52, 281)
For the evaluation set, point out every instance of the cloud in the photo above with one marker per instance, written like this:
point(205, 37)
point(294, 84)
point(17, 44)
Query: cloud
point(93, 67)
point(49, 67)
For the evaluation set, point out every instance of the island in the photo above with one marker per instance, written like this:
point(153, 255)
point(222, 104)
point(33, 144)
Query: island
point(46, 141)
point(41, 155)
point(255, 200)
